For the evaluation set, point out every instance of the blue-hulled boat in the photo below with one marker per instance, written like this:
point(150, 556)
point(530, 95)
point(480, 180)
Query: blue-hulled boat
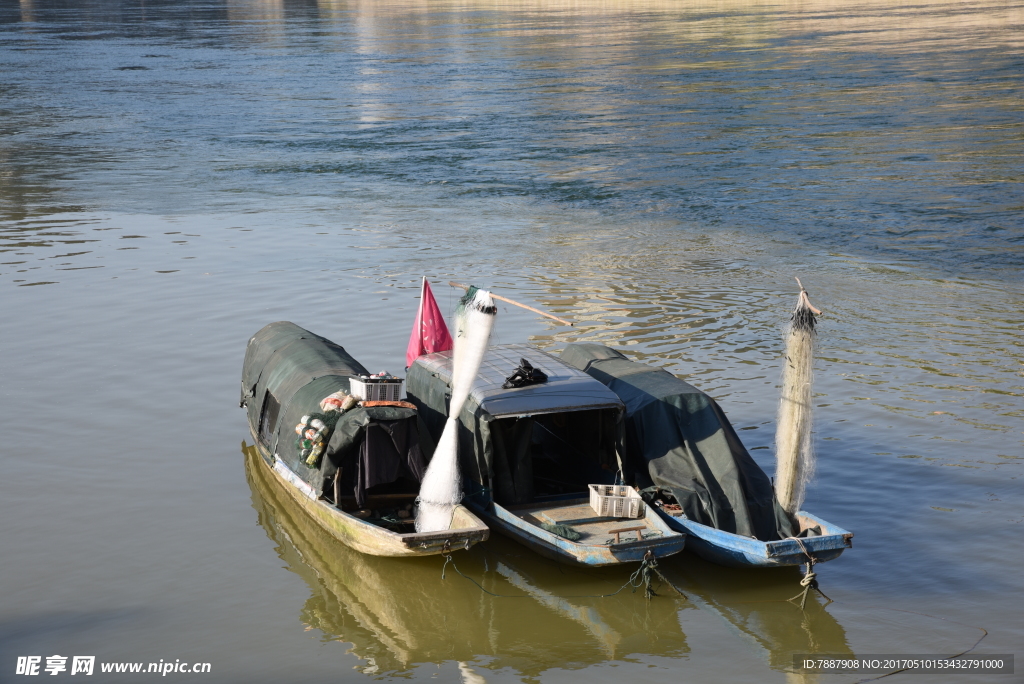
point(598, 544)
point(693, 469)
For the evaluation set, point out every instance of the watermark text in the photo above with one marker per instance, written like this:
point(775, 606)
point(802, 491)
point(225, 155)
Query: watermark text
point(86, 665)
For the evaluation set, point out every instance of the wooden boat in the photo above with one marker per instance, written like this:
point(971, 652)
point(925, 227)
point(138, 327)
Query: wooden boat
point(372, 457)
point(528, 455)
point(696, 473)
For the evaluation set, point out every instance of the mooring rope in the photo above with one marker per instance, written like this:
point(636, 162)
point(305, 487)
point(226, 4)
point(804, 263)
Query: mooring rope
point(810, 578)
point(641, 577)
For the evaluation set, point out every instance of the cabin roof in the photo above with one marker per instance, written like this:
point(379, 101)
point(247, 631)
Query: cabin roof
point(567, 388)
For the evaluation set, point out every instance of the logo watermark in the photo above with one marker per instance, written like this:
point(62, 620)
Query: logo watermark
point(86, 665)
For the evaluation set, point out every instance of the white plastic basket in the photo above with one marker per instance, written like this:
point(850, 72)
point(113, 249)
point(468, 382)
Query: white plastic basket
point(616, 501)
point(377, 389)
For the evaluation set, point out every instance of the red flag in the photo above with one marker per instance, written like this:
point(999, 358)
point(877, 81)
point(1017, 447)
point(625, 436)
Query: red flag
point(429, 332)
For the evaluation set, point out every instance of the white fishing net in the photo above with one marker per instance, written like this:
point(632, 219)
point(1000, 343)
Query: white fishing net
point(441, 488)
point(794, 456)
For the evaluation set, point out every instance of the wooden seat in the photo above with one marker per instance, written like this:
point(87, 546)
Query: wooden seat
point(636, 528)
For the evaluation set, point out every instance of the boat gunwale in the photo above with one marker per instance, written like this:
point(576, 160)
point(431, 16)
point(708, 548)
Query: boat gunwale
point(757, 553)
point(391, 543)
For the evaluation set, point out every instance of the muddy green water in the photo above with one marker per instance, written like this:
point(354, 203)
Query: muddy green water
point(175, 175)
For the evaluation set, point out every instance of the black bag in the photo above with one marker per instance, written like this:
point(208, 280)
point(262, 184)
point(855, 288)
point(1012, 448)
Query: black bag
point(525, 375)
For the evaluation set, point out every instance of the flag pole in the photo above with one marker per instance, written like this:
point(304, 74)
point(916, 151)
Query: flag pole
point(423, 294)
point(512, 301)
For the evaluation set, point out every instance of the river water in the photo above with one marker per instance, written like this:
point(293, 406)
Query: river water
point(175, 175)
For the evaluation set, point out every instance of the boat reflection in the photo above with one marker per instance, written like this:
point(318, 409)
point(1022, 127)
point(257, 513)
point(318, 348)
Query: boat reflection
point(399, 612)
point(753, 602)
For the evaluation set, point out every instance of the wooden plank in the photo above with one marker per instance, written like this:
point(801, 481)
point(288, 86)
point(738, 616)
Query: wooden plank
point(636, 528)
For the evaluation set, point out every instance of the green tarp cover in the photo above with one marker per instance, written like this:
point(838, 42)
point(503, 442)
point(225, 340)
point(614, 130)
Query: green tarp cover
point(299, 368)
point(678, 439)
point(283, 357)
point(349, 433)
point(498, 428)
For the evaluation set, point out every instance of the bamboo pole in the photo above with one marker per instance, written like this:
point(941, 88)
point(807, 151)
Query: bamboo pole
point(512, 301)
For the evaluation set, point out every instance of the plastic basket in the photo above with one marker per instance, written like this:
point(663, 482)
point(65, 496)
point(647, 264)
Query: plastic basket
point(616, 501)
point(377, 389)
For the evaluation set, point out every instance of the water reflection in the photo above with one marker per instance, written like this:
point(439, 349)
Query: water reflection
point(885, 130)
point(398, 613)
point(868, 25)
point(26, 10)
point(756, 603)
point(263, 11)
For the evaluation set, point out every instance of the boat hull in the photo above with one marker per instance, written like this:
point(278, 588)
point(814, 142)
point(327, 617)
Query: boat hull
point(557, 548)
point(466, 529)
point(734, 550)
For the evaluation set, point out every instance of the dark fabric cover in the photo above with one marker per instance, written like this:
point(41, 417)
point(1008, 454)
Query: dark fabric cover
point(389, 452)
point(299, 369)
point(678, 439)
point(283, 357)
point(377, 445)
point(344, 448)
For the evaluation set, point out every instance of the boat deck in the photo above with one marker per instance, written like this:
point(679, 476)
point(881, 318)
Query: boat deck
point(593, 528)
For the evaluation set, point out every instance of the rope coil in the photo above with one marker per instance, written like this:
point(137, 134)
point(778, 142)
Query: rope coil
point(810, 579)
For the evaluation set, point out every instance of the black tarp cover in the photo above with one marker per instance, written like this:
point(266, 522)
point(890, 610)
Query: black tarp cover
point(497, 425)
point(299, 369)
point(678, 439)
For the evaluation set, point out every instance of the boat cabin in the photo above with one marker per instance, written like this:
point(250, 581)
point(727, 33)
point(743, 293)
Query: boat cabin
point(529, 454)
point(519, 445)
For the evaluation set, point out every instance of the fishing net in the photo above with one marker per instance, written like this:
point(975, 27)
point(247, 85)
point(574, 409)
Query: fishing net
point(314, 430)
point(441, 488)
point(794, 456)
point(563, 531)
